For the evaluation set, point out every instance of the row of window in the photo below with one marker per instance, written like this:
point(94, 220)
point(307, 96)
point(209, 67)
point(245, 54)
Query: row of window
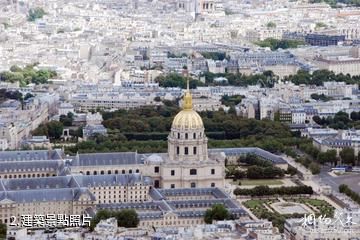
point(115, 196)
point(29, 170)
point(174, 222)
point(110, 172)
point(27, 175)
point(124, 200)
point(187, 135)
point(192, 185)
point(192, 171)
point(186, 150)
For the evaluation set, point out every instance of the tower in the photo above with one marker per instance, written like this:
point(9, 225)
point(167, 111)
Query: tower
point(187, 140)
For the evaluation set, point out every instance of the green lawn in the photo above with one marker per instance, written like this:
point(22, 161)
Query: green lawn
point(254, 203)
point(260, 182)
point(322, 206)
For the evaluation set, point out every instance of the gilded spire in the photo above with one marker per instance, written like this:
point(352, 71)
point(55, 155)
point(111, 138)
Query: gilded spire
point(187, 98)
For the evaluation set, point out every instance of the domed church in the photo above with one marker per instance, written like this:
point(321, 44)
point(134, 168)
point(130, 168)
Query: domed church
point(188, 164)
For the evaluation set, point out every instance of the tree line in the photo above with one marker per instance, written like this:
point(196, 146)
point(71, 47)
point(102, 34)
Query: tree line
point(333, 3)
point(14, 95)
point(343, 188)
point(275, 44)
point(266, 191)
point(341, 120)
point(27, 75)
point(158, 119)
point(265, 79)
point(131, 130)
point(346, 155)
point(256, 169)
point(127, 218)
point(318, 78)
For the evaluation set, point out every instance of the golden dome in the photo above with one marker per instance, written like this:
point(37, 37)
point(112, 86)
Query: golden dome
point(187, 118)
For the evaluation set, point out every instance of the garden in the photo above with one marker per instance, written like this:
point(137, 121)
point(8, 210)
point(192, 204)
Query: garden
point(270, 209)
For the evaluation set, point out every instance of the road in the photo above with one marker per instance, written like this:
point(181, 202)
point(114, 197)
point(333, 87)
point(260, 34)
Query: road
point(350, 179)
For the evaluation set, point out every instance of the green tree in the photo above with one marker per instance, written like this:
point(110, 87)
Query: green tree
point(100, 215)
point(271, 25)
point(15, 68)
point(3, 229)
point(67, 120)
point(35, 13)
point(275, 44)
point(320, 25)
point(355, 116)
point(330, 156)
point(347, 155)
point(314, 168)
point(28, 95)
point(217, 212)
point(127, 218)
point(55, 129)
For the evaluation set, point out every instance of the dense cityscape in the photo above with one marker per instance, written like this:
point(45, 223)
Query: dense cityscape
point(180, 119)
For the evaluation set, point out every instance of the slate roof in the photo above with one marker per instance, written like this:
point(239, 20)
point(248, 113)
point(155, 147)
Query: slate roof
point(215, 192)
point(254, 150)
point(62, 188)
point(24, 166)
point(182, 208)
point(111, 180)
point(116, 158)
point(31, 155)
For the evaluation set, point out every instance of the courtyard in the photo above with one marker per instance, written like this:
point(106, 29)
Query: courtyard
point(277, 209)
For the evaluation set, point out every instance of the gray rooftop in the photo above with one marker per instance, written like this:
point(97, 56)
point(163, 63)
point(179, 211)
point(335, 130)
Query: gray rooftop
point(183, 208)
point(62, 187)
point(31, 155)
point(116, 158)
point(28, 165)
point(248, 150)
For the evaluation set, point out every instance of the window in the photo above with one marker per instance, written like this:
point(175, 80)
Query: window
point(186, 136)
point(130, 171)
point(172, 186)
point(172, 172)
point(109, 172)
point(137, 171)
point(186, 150)
point(212, 184)
point(178, 135)
point(213, 171)
point(156, 183)
point(194, 151)
point(123, 171)
point(177, 150)
point(193, 185)
point(193, 172)
point(194, 136)
point(156, 169)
